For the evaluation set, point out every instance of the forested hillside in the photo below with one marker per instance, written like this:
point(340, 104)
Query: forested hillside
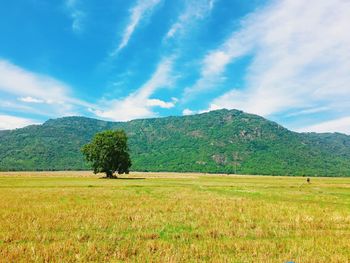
point(228, 141)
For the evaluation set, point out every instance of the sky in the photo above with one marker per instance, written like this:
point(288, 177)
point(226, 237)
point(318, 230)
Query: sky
point(118, 60)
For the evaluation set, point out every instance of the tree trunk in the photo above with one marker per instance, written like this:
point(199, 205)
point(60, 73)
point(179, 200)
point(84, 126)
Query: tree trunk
point(109, 174)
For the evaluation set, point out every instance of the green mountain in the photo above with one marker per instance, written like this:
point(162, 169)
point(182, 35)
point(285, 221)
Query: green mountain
point(223, 141)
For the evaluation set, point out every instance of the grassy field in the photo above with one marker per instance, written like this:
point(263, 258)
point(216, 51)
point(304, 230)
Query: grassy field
point(69, 217)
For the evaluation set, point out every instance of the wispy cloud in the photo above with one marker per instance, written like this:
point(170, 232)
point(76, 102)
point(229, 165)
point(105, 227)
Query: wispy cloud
point(29, 99)
point(211, 4)
point(161, 104)
point(8, 122)
point(308, 111)
point(194, 11)
point(214, 63)
point(21, 82)
point(337, 125)
point(27, 87)
point(140, 103)
point(300, 59)
point(76, 14)
point(137, 13)
point(188, 112)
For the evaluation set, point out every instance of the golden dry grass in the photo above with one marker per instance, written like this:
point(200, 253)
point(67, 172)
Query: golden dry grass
point(169, 217)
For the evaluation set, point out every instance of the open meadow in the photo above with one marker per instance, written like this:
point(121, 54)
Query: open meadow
point(169, 217)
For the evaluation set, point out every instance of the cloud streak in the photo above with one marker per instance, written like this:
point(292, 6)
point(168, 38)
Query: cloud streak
point(29, 99)
point(76, 14)
point(337, 125)
point(214, 64)
point(8, 122)
point(300, 60)
point(137, 13)
point(140, 103)
point(194, 11)
point(52, 97)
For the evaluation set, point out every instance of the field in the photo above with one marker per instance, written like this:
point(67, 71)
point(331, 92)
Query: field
point(145, 217)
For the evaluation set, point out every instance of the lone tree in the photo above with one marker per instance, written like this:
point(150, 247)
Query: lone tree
point(108, 153)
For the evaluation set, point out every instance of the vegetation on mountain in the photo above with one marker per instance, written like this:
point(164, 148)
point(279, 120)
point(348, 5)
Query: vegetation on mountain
point(223, 141)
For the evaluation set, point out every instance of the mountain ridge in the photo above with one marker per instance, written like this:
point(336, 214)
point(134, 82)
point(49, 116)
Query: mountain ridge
point(222, 141)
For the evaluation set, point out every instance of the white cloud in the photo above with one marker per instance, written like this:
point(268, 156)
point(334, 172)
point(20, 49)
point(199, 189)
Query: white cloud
point(188, 112)
point(337, 125)
point(300, 59)
point(8, 122)
point(31, 87)
point(139, 104)
point(18, 81)
point(195, 10)
point(160, 103)
point(192, 112)
point(137, 13)
point(76, 15)
point(215, 62)
point(71, 3)
point(29, 99)
point(211, 4)
point(306, 111)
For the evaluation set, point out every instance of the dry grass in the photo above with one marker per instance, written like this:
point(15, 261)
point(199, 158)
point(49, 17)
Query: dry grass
point(74, 216)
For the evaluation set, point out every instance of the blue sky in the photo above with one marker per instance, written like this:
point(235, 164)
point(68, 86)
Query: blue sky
point(286, 60)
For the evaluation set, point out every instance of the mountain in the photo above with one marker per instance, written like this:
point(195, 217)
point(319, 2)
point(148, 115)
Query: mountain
point(222, 141)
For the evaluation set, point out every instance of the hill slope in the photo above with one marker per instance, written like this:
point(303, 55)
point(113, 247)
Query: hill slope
point(228, 141)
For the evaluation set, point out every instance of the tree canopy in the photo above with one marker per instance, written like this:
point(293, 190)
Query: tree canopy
point(108, 153)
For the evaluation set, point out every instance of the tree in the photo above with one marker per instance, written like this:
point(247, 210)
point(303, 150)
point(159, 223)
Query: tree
point(108, 153)
point(236, 160)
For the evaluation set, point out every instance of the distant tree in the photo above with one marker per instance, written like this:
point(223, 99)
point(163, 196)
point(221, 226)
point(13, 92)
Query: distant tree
point(236, 160)
point(108, 153)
